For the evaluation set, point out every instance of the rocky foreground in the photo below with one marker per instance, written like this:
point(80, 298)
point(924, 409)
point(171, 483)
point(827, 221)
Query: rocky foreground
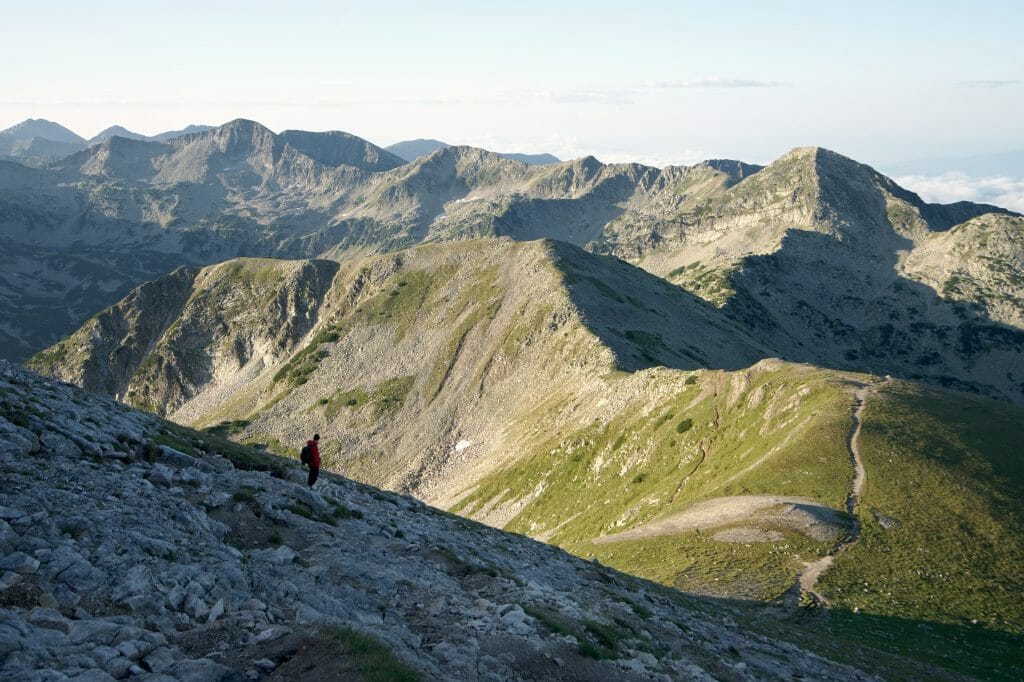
point(121, 557)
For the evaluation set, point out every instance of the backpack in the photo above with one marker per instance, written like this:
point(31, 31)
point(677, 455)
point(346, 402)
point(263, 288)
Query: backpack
point(304, 454)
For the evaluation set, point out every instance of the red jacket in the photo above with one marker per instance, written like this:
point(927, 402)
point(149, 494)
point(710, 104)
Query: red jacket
point(314, 454)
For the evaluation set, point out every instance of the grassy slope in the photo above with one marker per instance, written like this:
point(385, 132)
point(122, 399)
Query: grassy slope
point(948, 469)
point(647, 462)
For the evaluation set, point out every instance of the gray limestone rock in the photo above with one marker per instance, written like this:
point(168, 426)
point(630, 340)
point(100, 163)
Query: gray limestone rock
point(19, 562)
point(161, 475)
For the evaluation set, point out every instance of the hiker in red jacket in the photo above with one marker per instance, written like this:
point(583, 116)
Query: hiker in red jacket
point(314, 459)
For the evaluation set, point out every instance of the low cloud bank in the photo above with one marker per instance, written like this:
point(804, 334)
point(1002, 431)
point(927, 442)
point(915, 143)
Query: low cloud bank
point(1001, 191)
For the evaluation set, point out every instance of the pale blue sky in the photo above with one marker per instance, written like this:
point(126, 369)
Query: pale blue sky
point(659, 82)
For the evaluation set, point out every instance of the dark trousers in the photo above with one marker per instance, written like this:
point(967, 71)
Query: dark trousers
point(313, 473)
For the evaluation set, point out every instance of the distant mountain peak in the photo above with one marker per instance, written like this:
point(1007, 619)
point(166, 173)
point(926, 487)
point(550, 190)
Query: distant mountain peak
point(40, 127)
point(410, 150)
point(191, 129)
point(116, 131)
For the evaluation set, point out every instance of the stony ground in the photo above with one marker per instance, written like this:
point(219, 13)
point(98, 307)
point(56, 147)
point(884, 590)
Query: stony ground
point(116, 566)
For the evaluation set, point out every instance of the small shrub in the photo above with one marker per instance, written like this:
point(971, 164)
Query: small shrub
point(684, 426)
point(639, 478)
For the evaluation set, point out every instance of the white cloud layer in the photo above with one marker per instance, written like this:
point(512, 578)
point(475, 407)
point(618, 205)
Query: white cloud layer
point(716, 83)
point(949, 187)
point(988, 83)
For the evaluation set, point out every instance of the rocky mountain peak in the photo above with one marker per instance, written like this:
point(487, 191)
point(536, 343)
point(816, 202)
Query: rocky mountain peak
point(736, 170)
point(242, 136)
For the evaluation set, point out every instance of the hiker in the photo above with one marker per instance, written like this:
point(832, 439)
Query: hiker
point(310, 456)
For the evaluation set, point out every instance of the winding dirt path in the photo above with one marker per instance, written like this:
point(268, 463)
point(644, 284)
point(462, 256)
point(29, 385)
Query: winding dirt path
point(807, 580)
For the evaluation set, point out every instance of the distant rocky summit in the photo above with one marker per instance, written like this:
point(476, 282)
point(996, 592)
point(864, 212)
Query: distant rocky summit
point(410, 150)
point(132, 548)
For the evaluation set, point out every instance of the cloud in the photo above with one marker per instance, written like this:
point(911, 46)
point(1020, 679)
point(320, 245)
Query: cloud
point(581, 96)
point(950, 187)
point(716, 83)
point(988, 83)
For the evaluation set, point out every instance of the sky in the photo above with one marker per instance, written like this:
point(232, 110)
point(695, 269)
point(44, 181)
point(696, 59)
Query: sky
point(656, 82)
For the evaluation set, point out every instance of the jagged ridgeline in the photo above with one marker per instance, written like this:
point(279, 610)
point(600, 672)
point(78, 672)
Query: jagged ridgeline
point(585, 402)
point(821, 258)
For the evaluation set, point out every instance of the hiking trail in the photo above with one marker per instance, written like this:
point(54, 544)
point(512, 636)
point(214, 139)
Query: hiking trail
point(804, 588)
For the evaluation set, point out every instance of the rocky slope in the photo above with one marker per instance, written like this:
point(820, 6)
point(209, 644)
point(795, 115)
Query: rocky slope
point(134, 559)
point(401, 360)
point(497, 379)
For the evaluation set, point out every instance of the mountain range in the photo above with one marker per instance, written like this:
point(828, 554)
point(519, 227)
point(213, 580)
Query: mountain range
point(822, 259)
point(796, 384)
point(38, 142)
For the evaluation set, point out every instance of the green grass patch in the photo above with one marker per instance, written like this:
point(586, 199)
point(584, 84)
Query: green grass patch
point(228, 428)
point(371, 658)
point(697, 563)
point(606, 635)
point(551, 620)
point(401, 302)
point(245, 494)
point(241, 456)
point(173, 440)
point(389, 395)
point(343, 399)
point(301, 366)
